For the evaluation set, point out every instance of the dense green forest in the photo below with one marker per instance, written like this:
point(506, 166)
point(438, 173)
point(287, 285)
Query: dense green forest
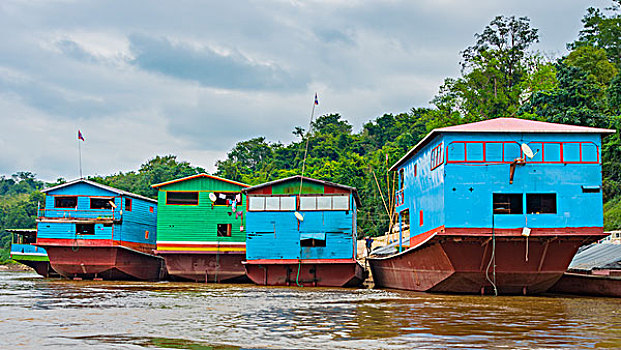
point(501, 76)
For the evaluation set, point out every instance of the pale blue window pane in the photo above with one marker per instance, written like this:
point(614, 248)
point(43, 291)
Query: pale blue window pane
point(552, 152)
point(571, 152)
point(537, 148)
point(456, 152)
point(474, 151)
point(493, 152)
point(589, 152)
point(512, 151)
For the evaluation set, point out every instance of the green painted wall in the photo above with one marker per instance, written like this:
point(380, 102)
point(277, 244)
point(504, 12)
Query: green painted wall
point(198, 223)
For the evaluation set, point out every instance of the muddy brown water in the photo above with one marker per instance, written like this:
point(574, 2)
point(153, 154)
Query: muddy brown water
point(40, 313)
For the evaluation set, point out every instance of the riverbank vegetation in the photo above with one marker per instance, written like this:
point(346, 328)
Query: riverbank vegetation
point(501, 76)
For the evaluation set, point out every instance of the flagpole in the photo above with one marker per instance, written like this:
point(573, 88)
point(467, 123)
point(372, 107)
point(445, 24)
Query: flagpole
point(80, 157)
point(315, 102)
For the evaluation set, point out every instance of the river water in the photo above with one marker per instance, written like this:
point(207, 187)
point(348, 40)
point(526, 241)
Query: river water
point(59, 314)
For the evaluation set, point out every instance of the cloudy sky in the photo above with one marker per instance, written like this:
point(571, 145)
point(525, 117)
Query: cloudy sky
point(141, 78)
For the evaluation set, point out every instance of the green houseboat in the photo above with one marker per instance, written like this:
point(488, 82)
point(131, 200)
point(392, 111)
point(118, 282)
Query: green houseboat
point(201, 228)
point(25, 252)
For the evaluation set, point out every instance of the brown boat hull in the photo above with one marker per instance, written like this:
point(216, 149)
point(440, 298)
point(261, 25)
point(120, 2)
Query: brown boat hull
point(205, 267)
point(461, 264)
point(307, 273)
point(105, 262)
point(43, 268)
point(588, 284)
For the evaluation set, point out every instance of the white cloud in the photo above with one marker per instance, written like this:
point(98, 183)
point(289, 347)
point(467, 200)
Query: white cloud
point(144, 78)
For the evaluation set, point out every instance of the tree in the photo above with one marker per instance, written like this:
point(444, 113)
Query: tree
point(493, 70)
point(603, 31)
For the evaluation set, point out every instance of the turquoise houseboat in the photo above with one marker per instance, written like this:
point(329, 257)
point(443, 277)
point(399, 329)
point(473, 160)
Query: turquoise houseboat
point(302, 231)
point(25, 252)
point(99, 232)
point(497, 206)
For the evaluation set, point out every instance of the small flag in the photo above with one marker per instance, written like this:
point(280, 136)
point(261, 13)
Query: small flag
point(316, 100)
point(80, 137)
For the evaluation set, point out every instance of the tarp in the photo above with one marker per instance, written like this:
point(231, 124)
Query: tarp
point(597, 256)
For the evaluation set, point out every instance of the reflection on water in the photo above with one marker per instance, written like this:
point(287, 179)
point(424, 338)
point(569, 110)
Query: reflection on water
point(36, 312)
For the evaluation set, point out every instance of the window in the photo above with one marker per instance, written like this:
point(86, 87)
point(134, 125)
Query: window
point(541, 203)
point(317, 239)
point(508, 203)
point(437, 158)
point(493, 152)
point(474, 152)
point(311, 242)
point(102, 203)
point(65, 202)
point(227, 198)
point(415, 170)
point(405, 219)
point(224, 230)
point(85, 229)
point(420, 218)
point(324, 202)
point(128, 204)
point(276, 203)
point(182, 198)
point(401, 178)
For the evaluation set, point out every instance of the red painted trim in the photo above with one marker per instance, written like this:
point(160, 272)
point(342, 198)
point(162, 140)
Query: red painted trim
point(204, 245)
point(201, 252)
point(296, 261)
point(437, 159)
point(423, 237)
point(197, 176)
point(542, 143)
point(85, 242)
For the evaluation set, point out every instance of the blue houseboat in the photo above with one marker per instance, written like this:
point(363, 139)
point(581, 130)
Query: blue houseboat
point(302, 231)
point(98, 232)
point(498, 206)
point(25, 252)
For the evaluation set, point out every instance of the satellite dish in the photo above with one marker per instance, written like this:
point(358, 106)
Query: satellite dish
point(299, 216)
point(212, 196)
point(527, 151)
point(112, 204)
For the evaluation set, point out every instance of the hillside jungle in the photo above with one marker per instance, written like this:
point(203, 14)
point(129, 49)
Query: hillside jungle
point(501, 76)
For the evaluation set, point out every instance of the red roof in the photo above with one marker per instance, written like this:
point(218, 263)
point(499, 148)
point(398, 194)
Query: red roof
point(505, 125)
point(522, 126)
point(197, 176)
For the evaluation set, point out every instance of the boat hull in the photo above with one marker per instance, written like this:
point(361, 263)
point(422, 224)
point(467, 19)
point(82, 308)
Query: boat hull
point(308, 273)
point(450, 263)
point(105, 262)
point(588, 284)
point(205, 267)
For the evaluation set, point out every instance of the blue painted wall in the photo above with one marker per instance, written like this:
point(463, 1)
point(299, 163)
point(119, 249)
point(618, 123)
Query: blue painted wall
point(131, 229)
point(460, 195)
point(275, 234)
point(423, 191)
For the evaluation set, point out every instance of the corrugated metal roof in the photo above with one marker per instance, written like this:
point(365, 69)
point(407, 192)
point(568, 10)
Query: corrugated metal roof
point(505, 125)
point(597, 256)
point(309, 179)
point(28, 231)
point(104, 187)
point(197, 176)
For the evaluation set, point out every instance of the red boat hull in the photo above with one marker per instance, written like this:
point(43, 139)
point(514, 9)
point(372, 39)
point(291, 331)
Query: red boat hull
point(43, 268)
point(588, 284)
point(457, 263)
point(205, 267)
point(105, 262)
point(308, 273)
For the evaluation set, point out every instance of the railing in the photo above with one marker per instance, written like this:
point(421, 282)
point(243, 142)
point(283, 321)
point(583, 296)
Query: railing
point(399, 198)
point(93, 215)
point(17, 248)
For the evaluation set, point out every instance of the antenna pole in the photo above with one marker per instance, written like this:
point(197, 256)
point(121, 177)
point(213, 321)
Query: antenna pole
point(307, 140)
point(80, 157)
